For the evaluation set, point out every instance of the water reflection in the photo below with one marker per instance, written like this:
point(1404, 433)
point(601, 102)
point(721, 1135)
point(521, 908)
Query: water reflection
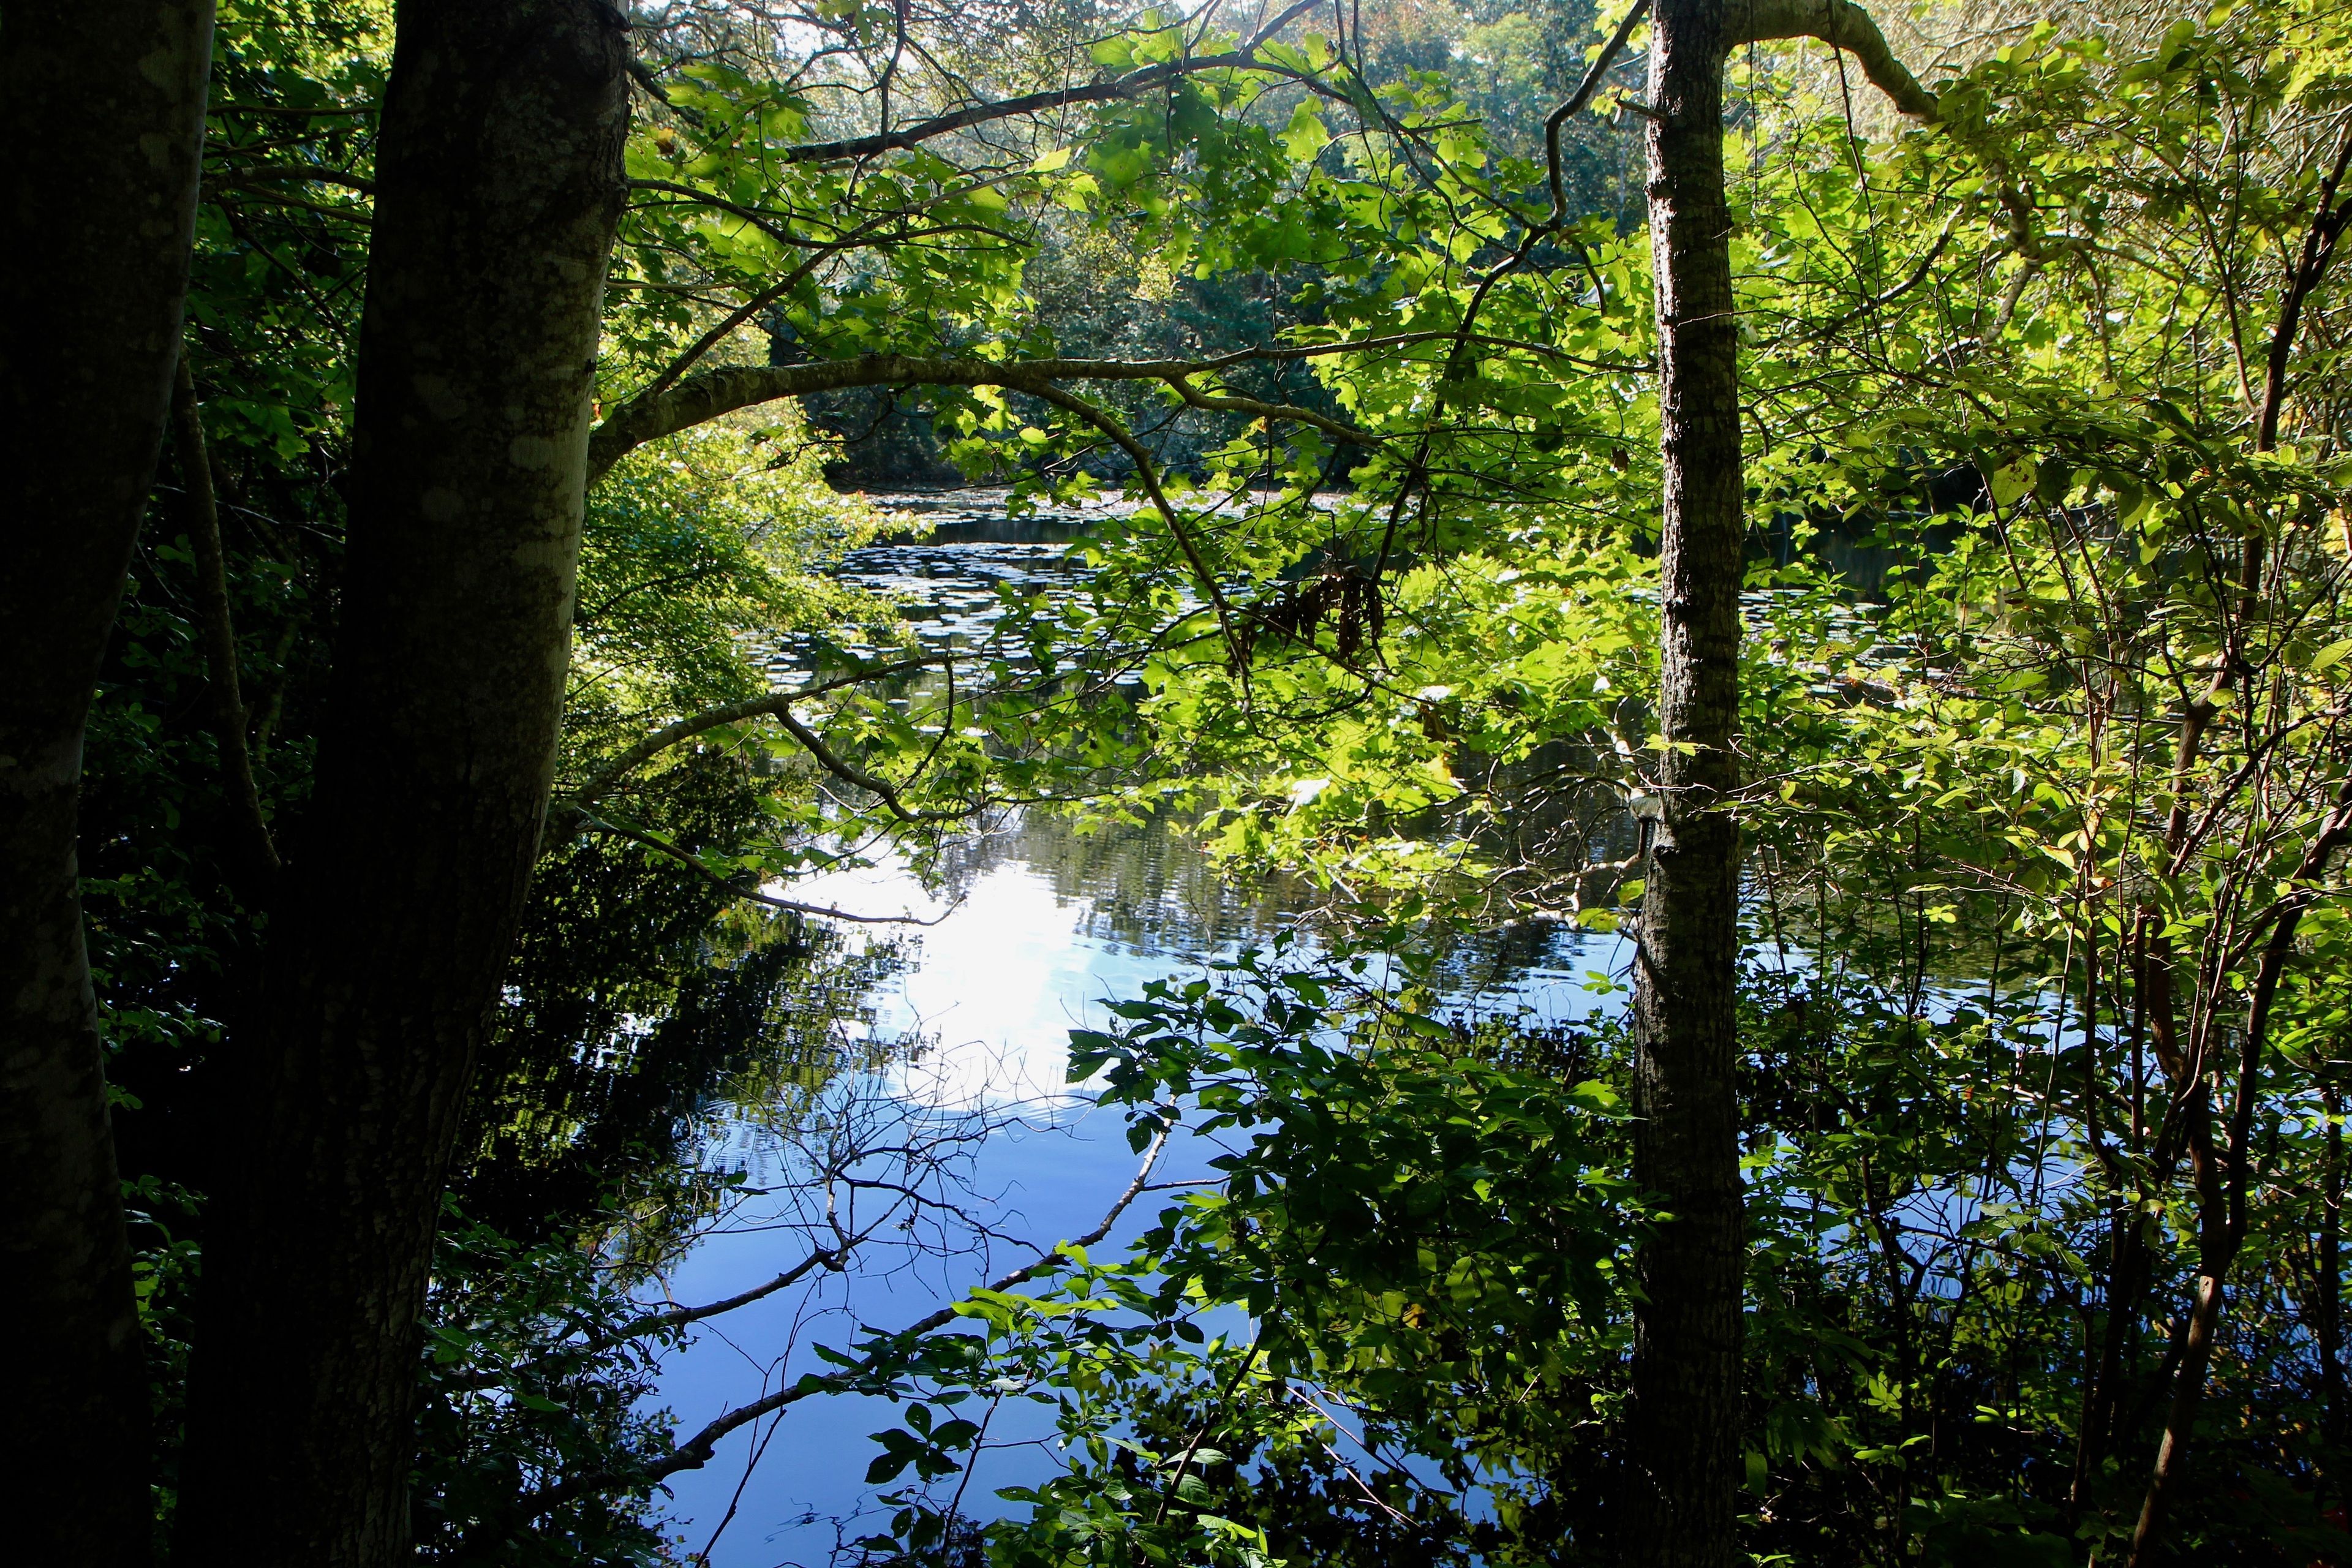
point(1038, 925)
point(1035, 925)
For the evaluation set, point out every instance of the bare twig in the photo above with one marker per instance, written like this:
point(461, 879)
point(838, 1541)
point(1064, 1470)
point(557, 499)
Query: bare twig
point(610, 774)
point(696, 1451)
point(1132, 85)
point(1577, 100)
point(758, 896)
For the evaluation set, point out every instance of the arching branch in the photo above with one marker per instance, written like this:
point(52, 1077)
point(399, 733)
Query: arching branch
point(602, 781)
point(770, 900)
point(1842, 24)
point(776, 706)
point(709, 395)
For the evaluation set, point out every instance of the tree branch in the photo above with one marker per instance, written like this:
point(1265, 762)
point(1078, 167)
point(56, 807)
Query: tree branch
point(2318, 248)
point(696, 1451)
point(679, 1317)
point(827, 911)
point(764, 222)
point(1842, 24)
point(272, 174)
point(602, 783)
point(775, 705)
point(1132, 85)
point(1148, 472)
point(1231, 403)
point(2223, 1235)
point(709, 395)
point(1582, 96)
point(851, 773)
point(357, 216)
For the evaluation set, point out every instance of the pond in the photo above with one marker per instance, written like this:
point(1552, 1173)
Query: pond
point(1037, 926)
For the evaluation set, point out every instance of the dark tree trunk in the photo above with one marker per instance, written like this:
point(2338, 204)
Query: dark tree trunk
point(101, 104)
point(1685, 1421)
point(2328, 1260)
point(498, 187)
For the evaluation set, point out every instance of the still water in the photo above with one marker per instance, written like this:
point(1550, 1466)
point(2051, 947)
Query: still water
point(1036, 929)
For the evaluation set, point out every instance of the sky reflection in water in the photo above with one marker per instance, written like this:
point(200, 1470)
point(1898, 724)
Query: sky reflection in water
point(1038, 928)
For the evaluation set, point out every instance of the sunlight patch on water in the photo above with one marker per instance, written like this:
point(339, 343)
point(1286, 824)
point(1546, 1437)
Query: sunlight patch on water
point(995, 985)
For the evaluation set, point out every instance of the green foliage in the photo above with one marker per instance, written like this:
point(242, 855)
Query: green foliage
point(532, 1376)
point(1393, 1192)
point(1428, 1243)
point(703, 556)
point(2013, 533)
point(2031, 983)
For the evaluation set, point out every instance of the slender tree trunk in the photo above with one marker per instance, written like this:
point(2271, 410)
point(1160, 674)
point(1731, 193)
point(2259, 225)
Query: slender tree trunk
point(101, 104)
point(257, 854)
point(2128, 1244)
point(2128, 1254)
point(1686, 1401)
point(2223, 1224)
point(2223, 1176)
point(2181, 1418)
point(499, 188)
point(2329, 1263)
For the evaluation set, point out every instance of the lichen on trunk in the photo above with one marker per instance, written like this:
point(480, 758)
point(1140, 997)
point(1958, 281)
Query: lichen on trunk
point(500, 186)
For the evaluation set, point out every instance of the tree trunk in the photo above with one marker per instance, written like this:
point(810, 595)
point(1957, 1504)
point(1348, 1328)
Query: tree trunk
point(1685, 1424)
point(2181, 1419)
point(2222, 1222)
point(254, 856)
point(499, 184)
point(2328, 1260)
point(101, 104)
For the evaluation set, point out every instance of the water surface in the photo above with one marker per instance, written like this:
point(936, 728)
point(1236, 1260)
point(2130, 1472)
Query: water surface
point(1038, 927)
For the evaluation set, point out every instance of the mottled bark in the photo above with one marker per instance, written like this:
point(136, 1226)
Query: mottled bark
point(101, 105)
point(1686, 1423)
point(499, 184)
